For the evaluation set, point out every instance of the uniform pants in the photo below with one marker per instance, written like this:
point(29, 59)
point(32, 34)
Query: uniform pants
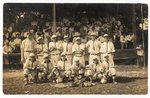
point(69, 59)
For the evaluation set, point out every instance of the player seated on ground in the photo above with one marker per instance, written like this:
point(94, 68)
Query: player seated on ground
point(77, 70)
point(30, 68)
point(108, 71)
point(63, 69)
point(45, 68)
point(94, 70)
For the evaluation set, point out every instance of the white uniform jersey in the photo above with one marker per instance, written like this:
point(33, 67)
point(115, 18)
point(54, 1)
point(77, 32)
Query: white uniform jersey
point(93, 46)
point(78, 51)
point(107, 47)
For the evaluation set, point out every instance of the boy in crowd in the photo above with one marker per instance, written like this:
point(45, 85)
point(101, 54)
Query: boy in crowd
point(140, 56)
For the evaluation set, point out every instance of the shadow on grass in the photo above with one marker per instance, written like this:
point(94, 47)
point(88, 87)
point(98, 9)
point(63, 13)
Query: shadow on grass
point(128, 79)
point(118, 79)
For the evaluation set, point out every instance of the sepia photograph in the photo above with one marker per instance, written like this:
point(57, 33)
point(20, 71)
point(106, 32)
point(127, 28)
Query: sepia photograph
point(75, 48)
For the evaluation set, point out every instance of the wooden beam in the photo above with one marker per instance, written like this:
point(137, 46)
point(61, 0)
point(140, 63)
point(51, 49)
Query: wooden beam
point(54, 18)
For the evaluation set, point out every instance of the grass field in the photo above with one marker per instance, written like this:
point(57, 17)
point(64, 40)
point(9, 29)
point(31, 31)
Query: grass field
point(131, 80)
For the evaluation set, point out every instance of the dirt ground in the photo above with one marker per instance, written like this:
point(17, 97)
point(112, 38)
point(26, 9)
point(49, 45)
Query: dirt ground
point(131, 80)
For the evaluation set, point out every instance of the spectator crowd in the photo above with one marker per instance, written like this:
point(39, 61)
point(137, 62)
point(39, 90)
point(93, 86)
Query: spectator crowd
point(41, 25)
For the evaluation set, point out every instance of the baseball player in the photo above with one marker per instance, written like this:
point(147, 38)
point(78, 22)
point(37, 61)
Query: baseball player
point(78, 50)
point(55, 49)
point(39, 49)
point(107, 48)
point(93, 47)
point(45, 68)
point(64, 69)
point(28, 46)
point(108, 70)
point(94, 70)
point(77, 69)
point(67, 49)
point(30, 68)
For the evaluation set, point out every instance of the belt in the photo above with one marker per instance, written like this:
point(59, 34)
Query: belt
point(68, 54)
point(39, 54)
point(94, 53)
point(55, 54)
point(78, 56)
point(29, 51)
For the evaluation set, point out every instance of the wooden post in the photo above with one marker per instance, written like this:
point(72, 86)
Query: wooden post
point(54, 18)
point(142, 21)
point(134, 24)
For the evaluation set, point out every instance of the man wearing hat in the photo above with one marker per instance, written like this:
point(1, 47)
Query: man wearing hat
point(64, 69)
point(77, 69)
point(28, 46)
point(67, 49)
point(76, 34)
point(40, 48)
point(108, 70)
point(107, 48)
point(39, 33)
point(94, 70)
point(78, 50)
point(93, 47)
point(55, 49)
point(45, 67)
point(30, 67)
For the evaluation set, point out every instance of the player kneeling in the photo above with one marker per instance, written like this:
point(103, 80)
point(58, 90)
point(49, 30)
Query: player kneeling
point(77, 70)
point(30, 68)
point(108, 71)
point(94, 70)
point(63, 69)
point(45, 68)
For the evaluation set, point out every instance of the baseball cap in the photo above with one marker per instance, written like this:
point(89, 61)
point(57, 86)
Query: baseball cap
point(138, 48)
point(53, 36)
point(32, 55)
point(63, 54)
point(45, 56)
point(65, 36)
point(39, 38)
point(78, 38)
point(105, 35)
point(93, 34)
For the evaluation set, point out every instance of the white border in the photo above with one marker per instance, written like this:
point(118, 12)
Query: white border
point(62, 1)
